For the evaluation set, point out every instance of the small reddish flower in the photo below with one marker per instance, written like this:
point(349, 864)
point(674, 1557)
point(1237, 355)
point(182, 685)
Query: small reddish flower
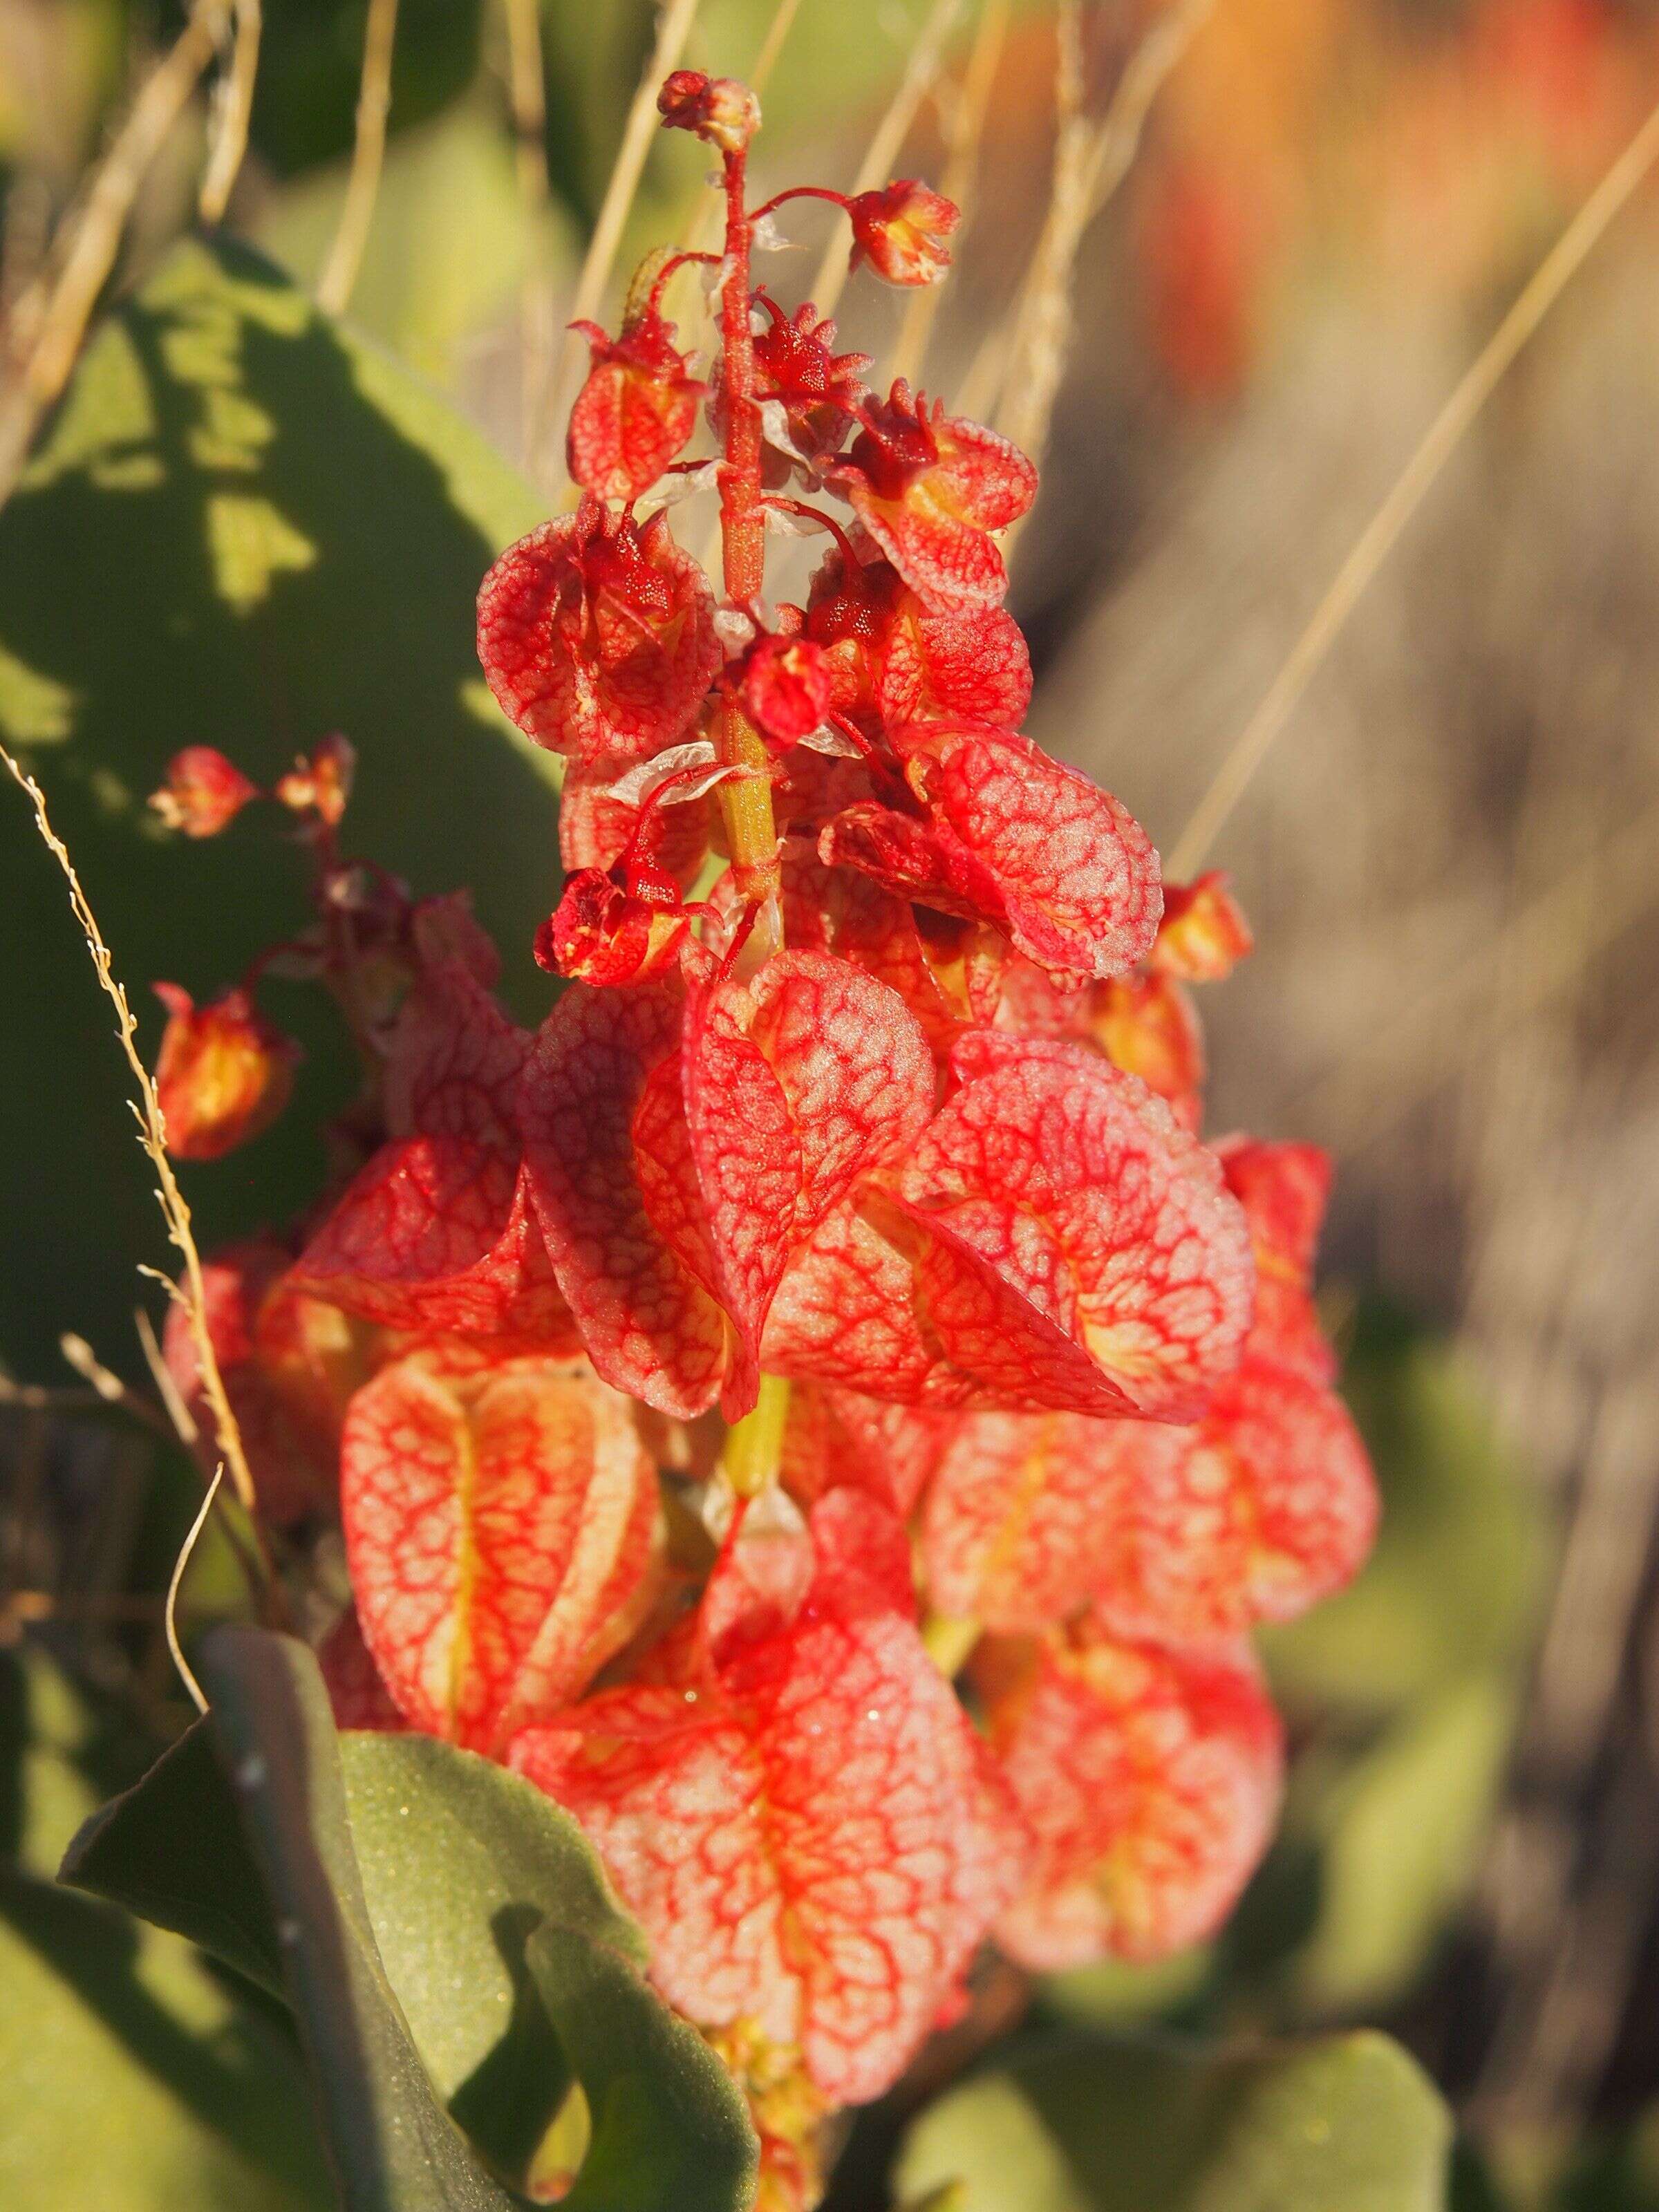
point(1150, 1779)
point(321, 785)
point(224, 1073)
point(804, 1823)
point(203, 792)
point(719, 110)
point(636, 412)
point(597, 636)
point(1203, 935)
point(1144, 1024)
point(900, 230)
point(597, 827)
point(784, 683)
point(1014, 838)
point(930, 488)
point(602, 932)
point(818, 389)
point(501, 1530)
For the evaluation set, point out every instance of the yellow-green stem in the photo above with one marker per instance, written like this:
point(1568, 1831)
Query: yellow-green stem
point(754, 1445)
point(949, 1642)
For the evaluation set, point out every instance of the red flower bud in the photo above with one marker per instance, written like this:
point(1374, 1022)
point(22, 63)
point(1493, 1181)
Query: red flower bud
point(1203, 934)
point(899, 230)
point(930, 488)
point(785, 688)
point(321, 785)
point(203, 790)
point(600, 933)
point(636, 410)
point(717, 109)
point(223, 1075)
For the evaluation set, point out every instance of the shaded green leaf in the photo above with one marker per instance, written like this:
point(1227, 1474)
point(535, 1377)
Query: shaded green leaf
point(1345, 2125)
point(244, 527)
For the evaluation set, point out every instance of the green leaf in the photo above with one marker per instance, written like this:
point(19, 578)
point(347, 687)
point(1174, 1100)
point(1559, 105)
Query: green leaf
point(1399, 1836)
point(1346, 2124)
point(668, 2128)
point(134, 2080)
point(244, 527)
point(450, 1940)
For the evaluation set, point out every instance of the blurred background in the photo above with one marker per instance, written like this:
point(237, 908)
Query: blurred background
point(1224, 263)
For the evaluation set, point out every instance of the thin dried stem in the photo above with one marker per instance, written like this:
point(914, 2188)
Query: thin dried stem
point(95, 236)
point(1115, 143)
point(961, 167)
point(1044, 337)
point(170, 1611)
point(183, 1420)
point(886, 146)
point(772, 45)
point(673, 29)
point(1376, 541)
point(108, 1386)
point(345, 255)
point(232, 105)
point(152, 1129)
point(527, 100)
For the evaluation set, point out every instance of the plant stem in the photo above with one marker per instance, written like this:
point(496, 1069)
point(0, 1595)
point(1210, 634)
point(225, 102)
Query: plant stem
point(745, 802)
point(754, 1445)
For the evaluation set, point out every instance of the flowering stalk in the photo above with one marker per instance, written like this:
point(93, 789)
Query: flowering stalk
point(875, 1180)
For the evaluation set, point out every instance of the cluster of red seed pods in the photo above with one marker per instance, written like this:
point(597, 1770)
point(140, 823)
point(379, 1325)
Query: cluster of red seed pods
point(818, 1407)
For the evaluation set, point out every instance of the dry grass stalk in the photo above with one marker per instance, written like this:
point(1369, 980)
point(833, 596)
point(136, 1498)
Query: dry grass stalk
point(1547, 945)
point(997, 367)
point(967, 130)
point(345, 255)
point(232, 105)
point(887, 143)
point(527, 100)
point(152, 1130)
point(1381, 534)
point(95, 237)
point(673, 29)
point(772, 45)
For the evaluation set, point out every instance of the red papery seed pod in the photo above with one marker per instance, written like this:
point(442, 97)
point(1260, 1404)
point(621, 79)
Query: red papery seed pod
point(290, 1363)
point(1266, 1507)
point(806, 1826)
point(615, 1196)
point(1013, 838)
point(797, 1084)
point(320, 784)
point(224, 1073)
point(601, 933)
point(597, 636)
point(1146, 1025)
point(900, 230)
point(1150, 1779)
point(1068, 1246)
point(838, 911)
point(894, 661)
point(1284, 1189)
point(784, 683)
point(437, 1232)
point(1011, 1528)
point(501, 1530)
point(1203, 935)
point(840, 1440)
point(201, 792)
point(634, 412)
point(719, 110)
point(596, 829)
point(930, 488)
